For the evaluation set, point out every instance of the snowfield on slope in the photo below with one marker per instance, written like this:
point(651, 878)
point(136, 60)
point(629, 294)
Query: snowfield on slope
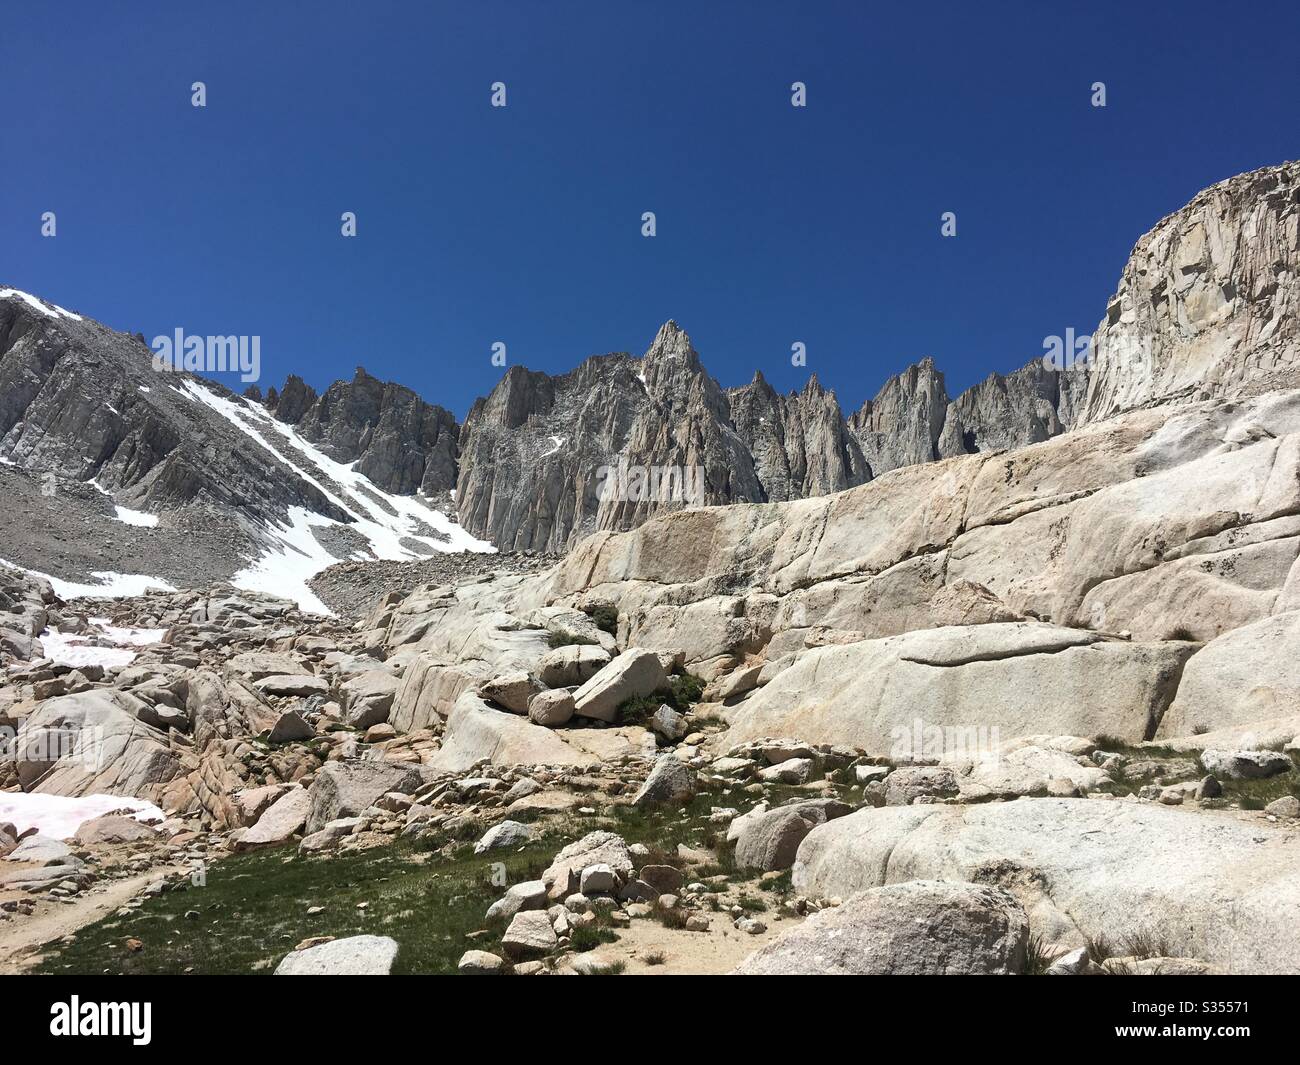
point(111, 585)
point(392, 525)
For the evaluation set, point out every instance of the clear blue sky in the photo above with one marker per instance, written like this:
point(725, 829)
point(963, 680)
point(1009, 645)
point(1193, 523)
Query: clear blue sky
point(522, 224)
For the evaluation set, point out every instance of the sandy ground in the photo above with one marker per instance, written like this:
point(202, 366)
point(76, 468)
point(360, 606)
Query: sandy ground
point(719, 950)
point(22, 937)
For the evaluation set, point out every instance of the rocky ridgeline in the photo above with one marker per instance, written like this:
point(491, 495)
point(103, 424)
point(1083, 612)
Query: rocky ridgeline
point(1206, 308)
point(352, 589)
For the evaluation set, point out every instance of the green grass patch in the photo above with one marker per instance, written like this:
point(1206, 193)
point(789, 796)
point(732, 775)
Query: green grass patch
point(253, 911)
point(590, 936)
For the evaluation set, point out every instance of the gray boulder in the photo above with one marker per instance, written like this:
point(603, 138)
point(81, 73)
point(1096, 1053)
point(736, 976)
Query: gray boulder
point(771, 840)
point(632, 674)
point(353, 956)
point(571, 664)
point(670, 781)
point(345, 789)
point(1245, 765)
point(920, 928)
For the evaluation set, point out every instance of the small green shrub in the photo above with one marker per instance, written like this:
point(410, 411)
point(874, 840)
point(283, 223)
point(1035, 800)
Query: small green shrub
point(562, 638)
point(605, 617)
point(589, 937)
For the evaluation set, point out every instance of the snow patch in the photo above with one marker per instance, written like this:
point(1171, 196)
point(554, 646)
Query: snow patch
point(126, 515)
point(60, 816)
point(135, 517)
point(73, 649)
point(557, 441)
point(386, 521)
point(50, 310)
point(112, 585)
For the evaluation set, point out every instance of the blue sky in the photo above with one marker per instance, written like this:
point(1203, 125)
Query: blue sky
point(523, 224)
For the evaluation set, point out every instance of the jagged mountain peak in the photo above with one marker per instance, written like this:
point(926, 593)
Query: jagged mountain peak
point(672, 342)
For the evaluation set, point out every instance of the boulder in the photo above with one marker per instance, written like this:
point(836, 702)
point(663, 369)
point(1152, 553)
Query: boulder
point(113, 828)
point(528, 935)
point(920, 928)
point(634, 673)
point(1018, 678)
point(353, 956)
point(907, 784)
point(1249, 674)
point(668, 724)
point(563, 875)
point(283, 819)
point(368, 698)
point(429, 689)
point(290, 727)
point(737, 683)
point(92, 742)
point(329, 835)
point(41, 850)
point(1203, 883)
point(480, 963)
point(530, 895)
point(770, 840)
point(476, 732)
point(1030, 769)
point(571, 665)
point(1245, 765)
point(1286, 806)
point(511, 691)
point(503, 834)
point(670, 781)
point(301, 684)
point(345, 789)
point(551, 709)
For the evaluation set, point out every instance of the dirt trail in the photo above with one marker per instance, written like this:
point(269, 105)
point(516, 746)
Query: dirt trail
point(22, 938)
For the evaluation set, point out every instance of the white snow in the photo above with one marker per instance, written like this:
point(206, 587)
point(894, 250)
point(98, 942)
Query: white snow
point(73, 649)
point(383, 519)
point(126, 515)
point(112, 585)
point(557, 441)
point(60, 816)
point(50, 310)
point(144, 388)
point(135, 517)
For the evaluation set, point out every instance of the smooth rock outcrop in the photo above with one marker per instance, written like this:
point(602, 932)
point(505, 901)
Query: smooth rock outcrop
point(1204, 883)
point(1017, 678)
point(920, 928)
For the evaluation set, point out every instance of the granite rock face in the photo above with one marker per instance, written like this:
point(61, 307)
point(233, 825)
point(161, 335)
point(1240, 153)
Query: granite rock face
point(901, 426)
point(399, 441)
point(1209, 302)
point(799, 442)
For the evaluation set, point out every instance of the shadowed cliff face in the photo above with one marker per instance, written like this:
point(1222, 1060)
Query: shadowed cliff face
point(396, 439)
point(83, 402)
